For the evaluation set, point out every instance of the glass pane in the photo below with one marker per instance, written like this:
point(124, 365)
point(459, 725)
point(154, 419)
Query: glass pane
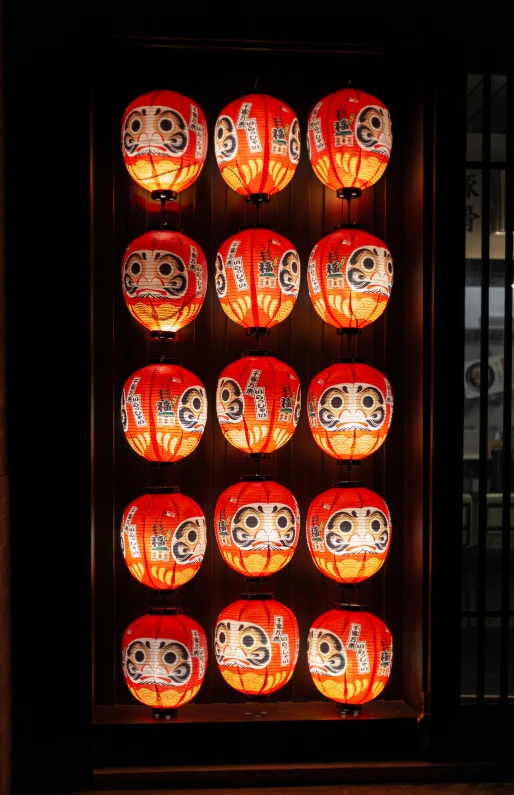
point(492, 658)
point(498, 118)
point(468, 658)
point(474, 117)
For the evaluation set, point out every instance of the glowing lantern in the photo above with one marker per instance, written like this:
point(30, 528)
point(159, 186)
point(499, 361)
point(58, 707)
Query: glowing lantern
point(164, 140)
point(349, 653)
point(164, 659)
point(350, 275)
point(257, 277)
point(163, 539)
point(164, 277)
point(163, 411)
point(349, 139)
point(257, 144)
point(256, 643)
point(258, 403)
point(348, 532)
point(257, 524)
point(350, 406)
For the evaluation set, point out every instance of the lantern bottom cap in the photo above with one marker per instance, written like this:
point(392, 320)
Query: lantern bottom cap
point(349, 193)
point(164, 195)
point(348, 709)
point(348, 360)
point(350, 332)
point(257, 455)
point(256, 478)
point(258, 198)
point(348, 462)
point(361, 227)
point(164, 335)
point(257, 331)
point(348, 484)
point(167, 714)
point(256, 596)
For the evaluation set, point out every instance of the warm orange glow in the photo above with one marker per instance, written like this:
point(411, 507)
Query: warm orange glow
point(256, 643)
point(257, 277)
point(163, 539)
point(350, 655)
point(257, 525)
point(164, 659)
point(350, 407)
point(257, 144)
point(164, 140)
point(350, 276)
point(258, 403)
point(163, 412)
point(164, 279)
point(349, 533)
point(349, 139)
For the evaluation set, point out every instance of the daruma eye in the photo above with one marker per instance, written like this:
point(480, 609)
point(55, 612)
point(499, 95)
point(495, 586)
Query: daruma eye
point(192, 536)
point(345, 526)
point(324, 647)
point(170, 657)
point(220, 133)
point(135, 125)
point(251, 522)
point(375, 122)
point(225, 395)
point(389, 267)
point(336, 402)
point(139, 656)
point(197, 403)
point(165, 125)
point(248, 641)
point(368, 263)
point(222, 638)
point(165, 268)
point(375, 525)
point(135, 268)
point(368, 402)
point(282, 521)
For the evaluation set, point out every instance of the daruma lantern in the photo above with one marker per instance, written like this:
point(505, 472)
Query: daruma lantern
point(164, 659)
point(257, 524)
point(258, 403)
point(257, 277)
point(163, 539)
point(350, 276)
point(164, 140)
point(163, 411)
point(349, 139)
point(164, 278)
point(256, 643)
point(350, 406)
point(350, 654)
point(348, 532)
point(257, 144)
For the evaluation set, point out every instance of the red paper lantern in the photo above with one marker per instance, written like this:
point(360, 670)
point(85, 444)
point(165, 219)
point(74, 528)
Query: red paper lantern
point(257, 524)
point(257, 277)
point(257, 144)
point(163, 539)
point(164, 140)
point(163, 411)
point(350, 407)
point(164, 659)
point(349, 139)
point(350, 654)
point(350, 275)
point(164, 278)
point(349, 533)
point(258, 403)
point(256, 643)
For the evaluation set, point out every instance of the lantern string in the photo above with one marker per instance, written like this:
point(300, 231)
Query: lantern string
point(256, 83)
point(258, 206)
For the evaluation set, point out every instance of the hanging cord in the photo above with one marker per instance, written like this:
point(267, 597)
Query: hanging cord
point(258, 212)
point(163, 204)
point(349, 203)
point(257, 466)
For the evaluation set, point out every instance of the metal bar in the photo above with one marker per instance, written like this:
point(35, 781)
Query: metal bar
point(484, 356)
point(507, 399)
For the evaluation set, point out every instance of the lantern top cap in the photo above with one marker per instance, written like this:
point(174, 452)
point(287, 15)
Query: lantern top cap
point(163, 490)
point(348, 360)
point(257, 596)
point(348, 484)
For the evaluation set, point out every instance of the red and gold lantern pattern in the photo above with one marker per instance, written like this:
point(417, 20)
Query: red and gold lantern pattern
point(350, 276)
point(258, 403)
point(257, 144)
point(349, 533)
point(164, 278)
point(350, 406)
point(257, 525)
point(164, 140)
point(163, 539)
point(257, 277)
point(164, 659)
point(349, 139)
point(256, 643)
point(350, 654)
point(163, 412)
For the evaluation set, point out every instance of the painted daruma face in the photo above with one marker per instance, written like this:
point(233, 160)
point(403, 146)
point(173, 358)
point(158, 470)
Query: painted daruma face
point(164, 140)
point(350, 276)
point(349, 655)
point(164, 278)
point(258, 402)
point(350, 409)
point(257, 144)
point(163, 412)
point(257, 527)
point(348, 533)
point(257, 277)
point(349, 139)
point(164, 659)
point(163, 539)
point(256, 645)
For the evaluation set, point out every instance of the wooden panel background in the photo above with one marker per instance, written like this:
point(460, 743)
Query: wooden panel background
point(209, 212)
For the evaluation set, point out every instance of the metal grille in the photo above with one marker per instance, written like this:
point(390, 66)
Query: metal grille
point(487, 614)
